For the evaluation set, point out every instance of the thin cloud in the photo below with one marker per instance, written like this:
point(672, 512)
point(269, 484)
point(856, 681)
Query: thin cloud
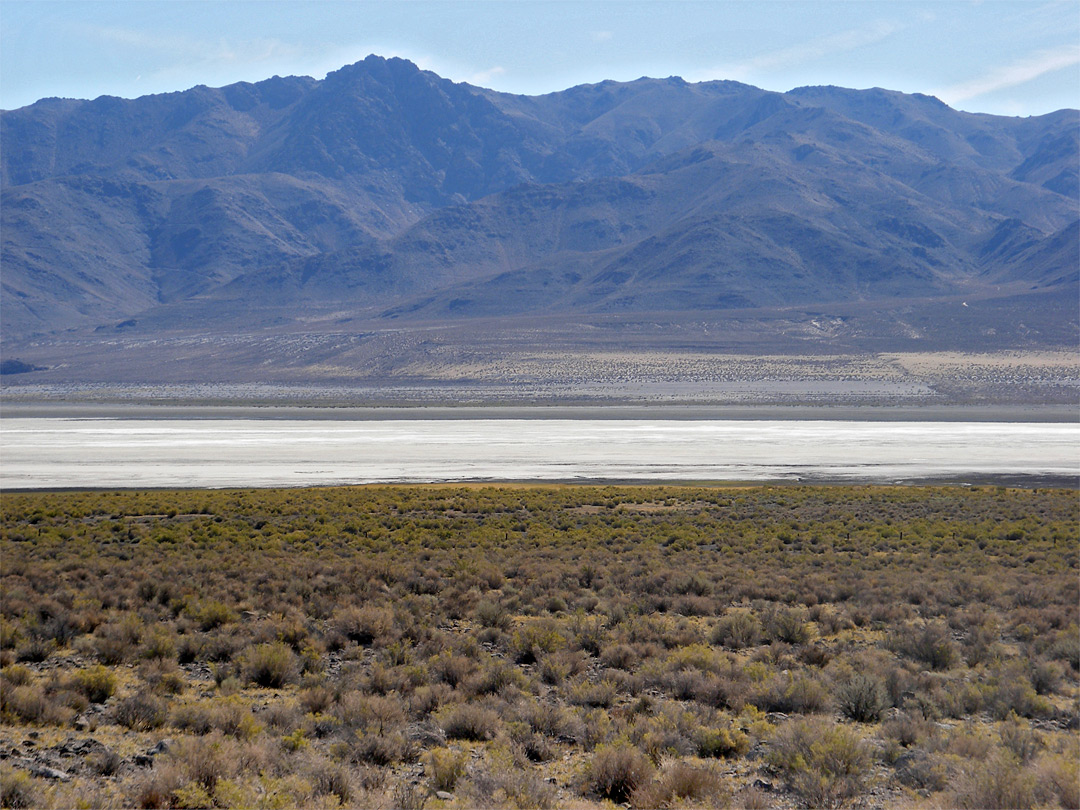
point(485, 76)
point(602, 36)
point(809, 51)
point(1019, 72)
point(220, 51)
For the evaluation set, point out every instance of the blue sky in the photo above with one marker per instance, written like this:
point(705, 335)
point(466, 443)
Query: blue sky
point(996, 56)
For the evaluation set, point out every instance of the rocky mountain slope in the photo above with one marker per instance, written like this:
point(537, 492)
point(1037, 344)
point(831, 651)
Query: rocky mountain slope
point(386, 194)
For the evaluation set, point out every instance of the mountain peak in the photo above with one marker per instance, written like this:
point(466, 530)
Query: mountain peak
point(387, 189)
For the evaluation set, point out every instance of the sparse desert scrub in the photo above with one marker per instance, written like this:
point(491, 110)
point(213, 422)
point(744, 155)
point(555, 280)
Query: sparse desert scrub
point(319, 647)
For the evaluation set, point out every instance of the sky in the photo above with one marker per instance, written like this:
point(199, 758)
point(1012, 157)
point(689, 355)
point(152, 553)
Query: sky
point(1005, 57)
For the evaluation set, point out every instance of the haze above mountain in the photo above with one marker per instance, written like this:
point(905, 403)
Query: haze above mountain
point(386, 196)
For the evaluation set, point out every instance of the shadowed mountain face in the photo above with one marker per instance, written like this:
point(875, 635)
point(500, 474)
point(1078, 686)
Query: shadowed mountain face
point(387, 194)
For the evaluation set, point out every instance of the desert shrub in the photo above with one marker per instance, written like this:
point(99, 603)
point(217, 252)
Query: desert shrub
point(142, 711)
point(158, 789)
point(619, 656)
point(907, 729)
point(535, 747)
point(30, 704)
point(497, 676)
point(359, 711)
point(999, 783)
point(802, 695)
point(451, 669)
point(426, 699)
point(35, 650)
point(97, 683)
point(737, 629)
point(593, 694)
point(212, 614)
point(722, 742)
point(920, 770)
point(532, 641)
point(1067, 648)
point(1014, 694)
point(970, 742)
point(17, 789)
point(469, 721)
point(190, 648)
point(1057, 777)
point(550, 719)
point(930, 645)
point(1045, 676)
point(269, 665)
point(787, 625)
point(204, 760)
point(662, 739)
point(862, 698)
point(229, 715)
point(104, 761)
point(1020, 738)
point(407, 796)
point(315, 699)
point(681, 782)
point(492, 614)
point(380, 746)
point(163, 676)
point(815, 655)
point(194, 717)
point(556, 667)
point(724, 691)
point(365, 625)
point(330, 779)
point(159, 644)
point(826, 764)
point(616, 771)
point(506, 785)
point(447, 766)
point(17, 675)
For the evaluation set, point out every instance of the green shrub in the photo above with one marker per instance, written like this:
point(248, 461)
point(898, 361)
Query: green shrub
point(212, 614)
point(446, 766)
point(229, 715)
point(17, 675)
point(17, 789)
point(532, 641)
point(270, 665)
point(722, 742)
point(827, 764)
point(159, 644)
point(97, 683)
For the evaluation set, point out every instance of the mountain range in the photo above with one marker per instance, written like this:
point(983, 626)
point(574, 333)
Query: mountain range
point(385, 197)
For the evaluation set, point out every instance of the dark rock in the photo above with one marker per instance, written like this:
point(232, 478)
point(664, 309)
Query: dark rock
point(161, 747)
